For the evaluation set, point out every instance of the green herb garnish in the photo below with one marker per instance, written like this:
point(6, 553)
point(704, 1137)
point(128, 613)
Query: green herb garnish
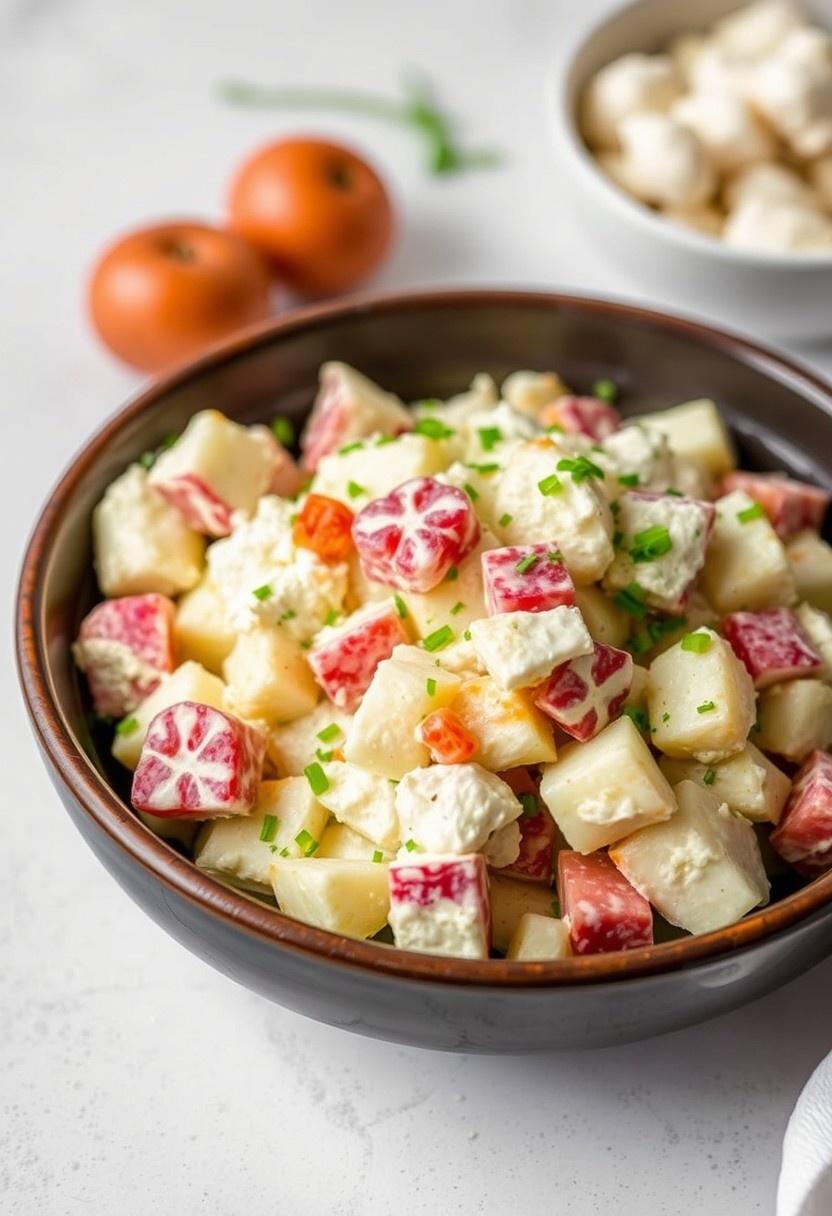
point(527, 563)
point(550, 485)
point(262, 593)
point(331, 617)
point(127, 726)
point(430, 685)
point(269, 829)
point(709, 776)
point(355, 490)
point(706, 707)
point(433, 428)
point(329, 733)
point(651, 544)
point(755, 511)
point(355, 446)
point(581, 468)
point(457, 608)
point(401, 606)
point(637, 716)
point(529, 804)
point(490, 436)
point(697, 643)
point(628, 479)
point(306, 842)
point(631, 599)
point(452, 575)
point(284, 431)
point(378, 855)
point(605, 390)
point(505, 520)
point(439, 639)
point(317, 778)
point(470, 491)
point(411, 846)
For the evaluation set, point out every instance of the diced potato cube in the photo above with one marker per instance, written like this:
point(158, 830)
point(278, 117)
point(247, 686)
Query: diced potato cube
point(817, 625)
point(605, 789)
point(745, 567)
point(268, 677)
point(456, 601)
point(810, 561)
point(701, 700)
point(190, 682)
point(795, 719)
point(605, 621)
point(363, 801)
point(528, 392)
point(702, 869)
point(750, 784)
point(637, 696)
point(382, 737)
point(141, 544)
point(201, 628)
point(511, 899)
point(349, 897)
point(509, 729)
point(287, 821)
point(341, 841)
point(376, 470)
point(538, 938)
point(293, 745)
point(696, 433)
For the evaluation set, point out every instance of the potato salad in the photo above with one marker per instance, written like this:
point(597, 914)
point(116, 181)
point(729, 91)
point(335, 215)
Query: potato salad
point(498, 675)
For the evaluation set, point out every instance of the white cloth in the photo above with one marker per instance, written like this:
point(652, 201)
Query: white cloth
point(805, 1185)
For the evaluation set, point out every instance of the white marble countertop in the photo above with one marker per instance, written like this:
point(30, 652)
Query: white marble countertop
point(134, 1078)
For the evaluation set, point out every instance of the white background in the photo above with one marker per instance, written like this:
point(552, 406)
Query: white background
point(133, 1079)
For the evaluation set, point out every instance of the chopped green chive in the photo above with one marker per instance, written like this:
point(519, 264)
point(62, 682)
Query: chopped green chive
point(697, 643)
point(331, 617)
point(147, 460)
point(306, 842)
point(550, 485)
point(615, 508)
point(433, 428)
point(527, 563)
point(493, 467)
point(554, 429)
point(401, 606)
point(617, 538)
point(452, 575)
point(383, 440)
point(428, 403)
point(439, 639)
point(640, 643)
point(288, 615)
point(284, 431)
point(378, 855)
point(631, 599)
point(284, 852)
point(554, 555)
point(411, 846)
point(317, 778)
point(272, 848)
point(637, 716)
point(673, 492)
point(472, 493)
point(262, 593)
point(350, 447)
point(554, 907)
point(127, 726)
point(329, 732)
point(430, 685)
point(323, 756)
point(665, 716)
point(706, 707)
point(605, 390)
point(529, 805)
point(755, 511)
point(457, 608)
point(581, 468)
point(628, 479)
point(651, 544)
point(505, 520)
point(355, 490)
point(467, 635)
point(269, 829)
point(489, 436)
point(306, 645)
point(709, 776)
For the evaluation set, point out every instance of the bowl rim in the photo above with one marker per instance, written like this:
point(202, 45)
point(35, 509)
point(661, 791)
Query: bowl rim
point(561, 112)
point(109, 815)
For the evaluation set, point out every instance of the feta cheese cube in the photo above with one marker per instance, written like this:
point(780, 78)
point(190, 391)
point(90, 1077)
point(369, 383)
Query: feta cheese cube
point(748, 781)
point(189, 682)
point(603, 911)
point(293, 745)
point(804, 836)
point(636, 456)
point(795, 719)
point(439, 905)
point(701, 699)
point(603, 790)
point(363, 801)
point(745, 567)
point(348, 407)
point(772, 645)
point(702, 869)
point(520, 649)
point(817, 625)
point(201, 628)
point(696, 433)
point(349, 897)
point(508, 728)
point(453, 808)
point(539, 939)
point(141, 544)
point(486, 435)
point(510, 901)
point(810, 563)
point(268, 677)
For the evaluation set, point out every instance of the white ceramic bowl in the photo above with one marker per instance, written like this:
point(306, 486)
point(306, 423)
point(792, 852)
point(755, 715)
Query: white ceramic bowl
point(785, 296)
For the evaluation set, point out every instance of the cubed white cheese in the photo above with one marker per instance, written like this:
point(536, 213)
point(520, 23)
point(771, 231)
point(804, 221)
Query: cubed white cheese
point(453, 808)
point(520, 649)
point(636, 451)
point(749, 783)
point(363, 801)
point(349, 897)
point(746, 568)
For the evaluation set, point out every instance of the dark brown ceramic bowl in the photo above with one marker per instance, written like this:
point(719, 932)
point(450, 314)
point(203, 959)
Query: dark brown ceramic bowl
point(419, 345)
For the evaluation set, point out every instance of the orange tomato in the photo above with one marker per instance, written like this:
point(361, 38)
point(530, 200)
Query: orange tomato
point(447, 738)
point(324, 526)
point(162, 294)
point(317, 211)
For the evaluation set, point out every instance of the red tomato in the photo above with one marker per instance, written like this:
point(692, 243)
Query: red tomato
point(162, 294)
point(317, 211)
point(447, 738)
point(324, 526)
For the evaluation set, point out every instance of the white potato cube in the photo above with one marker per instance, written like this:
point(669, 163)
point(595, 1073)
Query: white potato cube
point(287, 821)
point(363, 801)
point(697, 434)
point(481, 488)
point(341, 841)
point(349, 897)
point(746, 568)
point(810, 561)
point(539, 938)
point(750, 784)
point(382, 737)
point(453, 808)
point(520, 649)
point(701, 699)
point(456, 601)
point(577, 517)
point(201, 628)
point(268, 677)
point(140, 543)
point(605, 621)
point(366, 470)
point(528, 392)
point(795, 718)
point(603, 790)
point(190, 682)
point(293, 745)
point(702, 870)
point(817, 625)
point(509, 729)
point(511, 900)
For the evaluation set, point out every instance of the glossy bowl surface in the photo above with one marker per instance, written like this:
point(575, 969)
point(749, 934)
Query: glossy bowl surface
point(422, 344)
point(779, 295)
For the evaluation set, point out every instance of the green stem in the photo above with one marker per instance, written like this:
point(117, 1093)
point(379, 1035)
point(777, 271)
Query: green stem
point(240, 93)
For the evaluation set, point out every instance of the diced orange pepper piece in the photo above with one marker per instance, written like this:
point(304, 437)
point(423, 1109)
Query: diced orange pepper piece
point(324, 526)
point(446, 737)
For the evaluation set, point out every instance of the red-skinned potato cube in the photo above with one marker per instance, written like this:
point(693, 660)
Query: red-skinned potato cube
point(790, 505)
point(538, 832)
point(286, 478)
point(446, 737)
point(344, 662)
point(804, 834)
point(604, 911)
point(124, 648)
point(198, 763)
point(585, 694)
point(440, 905)
point(347, 407)
point(196, 502)
point(411, 537)
point(582, 416)
point(772, 645)
point(526, 578)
